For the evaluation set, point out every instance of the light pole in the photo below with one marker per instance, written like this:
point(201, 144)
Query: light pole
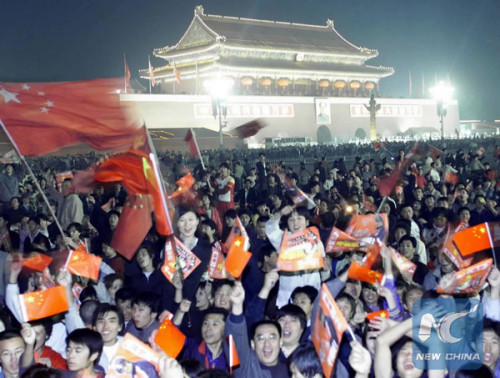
point(219, 89)
point(442, 92)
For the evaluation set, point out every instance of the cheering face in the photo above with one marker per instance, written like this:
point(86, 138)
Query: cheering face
point(290, 330)
point(79, 358)
point(202, 299)
point(142, 315)
point(212, 328)
point(115, 286)
point(353, 288)
point(126, 307)
point(404, 363)
point(445, 263)
point(144, 260)
point(10, 353)
point(108, 325)
point(370, 295)
point(304, 302)
point(407, 250)
point(222, 297)
point(267, 344)
point(187, 224)
point(297, 222)
point(491, 348)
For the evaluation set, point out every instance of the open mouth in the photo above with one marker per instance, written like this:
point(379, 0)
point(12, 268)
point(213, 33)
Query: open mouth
point(286, 334)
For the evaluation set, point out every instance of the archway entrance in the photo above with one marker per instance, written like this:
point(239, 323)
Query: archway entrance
point(323, 135)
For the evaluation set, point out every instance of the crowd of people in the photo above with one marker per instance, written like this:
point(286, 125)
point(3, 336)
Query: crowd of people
point(271, 314)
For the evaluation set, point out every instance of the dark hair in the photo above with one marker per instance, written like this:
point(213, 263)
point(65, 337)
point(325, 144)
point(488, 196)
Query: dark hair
point(88, 293)
point(147, 298)
point(308, 290)
point(125, 294)
point(293, 311)
point(262, 218)
point(266, 250)
point(219, 283)
point(88, 337)
point(77, 226)
point(191, 367)
point(110, 278)
point(103, 309)
point(231, 213)
point(213, 373)
point(438, 212)
point(87, 310)
point(302, 212)
point(306, 360)
point(482, 372)
point(328, 219)
point(216, 311)
point(9, 334)
point(46, 324)
point(351, 301)
point(42, 371)
point(148, 249)
point(210, 223)
point(410, 238)
point(113, 212)
point(256, 325)
point(224, 165)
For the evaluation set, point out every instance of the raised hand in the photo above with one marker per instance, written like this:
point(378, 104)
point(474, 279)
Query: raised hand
point(360, 359)
point(237, 297)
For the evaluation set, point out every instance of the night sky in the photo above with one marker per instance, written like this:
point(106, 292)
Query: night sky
point(58, 40)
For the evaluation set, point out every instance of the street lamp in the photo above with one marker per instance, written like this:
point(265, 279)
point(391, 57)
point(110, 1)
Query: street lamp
point(442, 92)
point(219, 89)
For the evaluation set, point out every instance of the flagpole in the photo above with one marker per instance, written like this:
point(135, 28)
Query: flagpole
point(150, 69)
point(381, 204)
point(197, 148)
point(37, 184)
point(125, 70)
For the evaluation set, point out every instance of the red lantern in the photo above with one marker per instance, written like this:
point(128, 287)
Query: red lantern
point(355, 85)
point(369, 85)
point(246, 81)
point(283, 82)
point(323, 83)
point(339, 84)
point(265, 82)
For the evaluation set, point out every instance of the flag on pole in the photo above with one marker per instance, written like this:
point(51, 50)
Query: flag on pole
point(473, 239)
point(43, 303)
point(37, 261)
point(127, 73)
point(249, 129)
point(410, 89)
point(169, 338)
point(362, 273)
point(435, 152)
point(57, 115)
point(237, 257)
point(84, 264)
point(190, 140)
point(234, 359)
point(468, 280)
point(377, 314)
point(177, 74)
point(151, 73)
point(451, 178)
point(178, 253)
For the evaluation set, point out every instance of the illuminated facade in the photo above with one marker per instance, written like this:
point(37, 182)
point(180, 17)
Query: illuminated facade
point(266, 58)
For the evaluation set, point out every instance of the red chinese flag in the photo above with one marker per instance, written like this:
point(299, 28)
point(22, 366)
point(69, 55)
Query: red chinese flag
point(451, 178)
point(234, 359)
point(43, 303)
point(473, 239)
point(468, 280)
point(237, 230)
point(189, 139)
point(386, 184)
point(249, 129)
point(37, 261)
point(134, 170)
point(170, 339)
point(84, 264)
point(362, 273)
point(453, 255)
point(44, 117)
point(435, 152)
point(137, 212)
point(237, 258)
point(177, 75)
point(372, 254)
point(377, 314)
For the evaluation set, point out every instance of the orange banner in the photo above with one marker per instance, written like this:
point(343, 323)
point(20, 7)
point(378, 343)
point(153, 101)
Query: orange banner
point(468, 280)
point(339, 241)
point(216, 266)
point(329, 327)
point(187, 260)
point(133, 359)
point(369, 225)
point(302, 250)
